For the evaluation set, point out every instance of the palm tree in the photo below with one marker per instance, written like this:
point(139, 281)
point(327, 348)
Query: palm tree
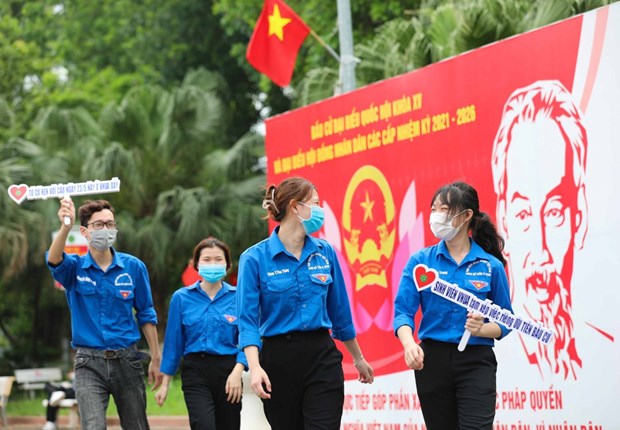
point(24, 236)
point(438, 30)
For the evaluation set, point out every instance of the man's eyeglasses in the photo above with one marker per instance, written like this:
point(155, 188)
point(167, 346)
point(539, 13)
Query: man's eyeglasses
point(98, 225)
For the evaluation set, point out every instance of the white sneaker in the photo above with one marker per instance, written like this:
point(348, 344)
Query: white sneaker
point(55, 399)
point(50, 426)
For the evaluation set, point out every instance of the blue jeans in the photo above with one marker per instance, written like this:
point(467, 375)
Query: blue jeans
point(119, 373)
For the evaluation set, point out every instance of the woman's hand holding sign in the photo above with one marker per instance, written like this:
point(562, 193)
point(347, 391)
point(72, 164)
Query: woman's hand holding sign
point(473, 325)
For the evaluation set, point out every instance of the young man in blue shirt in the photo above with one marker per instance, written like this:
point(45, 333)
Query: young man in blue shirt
point(103, 288)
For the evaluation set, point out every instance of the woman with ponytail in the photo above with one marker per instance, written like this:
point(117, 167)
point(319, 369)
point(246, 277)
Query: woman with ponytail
point(292, 305)
point(456, 388)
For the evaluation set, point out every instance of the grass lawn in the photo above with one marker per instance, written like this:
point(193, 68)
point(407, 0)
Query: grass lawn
point(21, 405)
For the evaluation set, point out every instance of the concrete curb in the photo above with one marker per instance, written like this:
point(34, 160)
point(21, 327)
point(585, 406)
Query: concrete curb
point(156, 422)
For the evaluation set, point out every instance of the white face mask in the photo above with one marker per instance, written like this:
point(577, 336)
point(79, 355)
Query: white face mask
point(441, 225)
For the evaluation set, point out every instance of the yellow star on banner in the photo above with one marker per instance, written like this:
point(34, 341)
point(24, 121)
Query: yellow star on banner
point(277, 23)
point(367, 205)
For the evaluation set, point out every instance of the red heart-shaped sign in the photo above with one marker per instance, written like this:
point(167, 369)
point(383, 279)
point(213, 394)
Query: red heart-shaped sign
point(18, 193)
point(423, 276)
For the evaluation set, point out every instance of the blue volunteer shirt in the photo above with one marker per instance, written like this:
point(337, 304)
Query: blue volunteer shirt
point(279, 294)
point(198, 324)
point(479, 273)
point(102, 303)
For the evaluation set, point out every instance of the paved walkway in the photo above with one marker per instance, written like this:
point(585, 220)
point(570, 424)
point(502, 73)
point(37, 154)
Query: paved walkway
point(156, 422)
point(252, 417)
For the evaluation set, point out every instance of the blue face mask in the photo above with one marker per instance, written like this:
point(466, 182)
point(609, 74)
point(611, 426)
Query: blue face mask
point(315, 222)
point(212, 272)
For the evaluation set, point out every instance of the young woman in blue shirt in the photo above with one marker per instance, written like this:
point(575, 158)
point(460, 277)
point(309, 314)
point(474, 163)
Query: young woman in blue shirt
point(202, 329)
point(457, 389)
point(291, 295)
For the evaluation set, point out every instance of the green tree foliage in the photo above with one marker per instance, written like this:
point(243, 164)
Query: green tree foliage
point(24, 235)
point(105, 48)
point(436, 30)
point(34, 74)
point(158, 39)
point(19, 57)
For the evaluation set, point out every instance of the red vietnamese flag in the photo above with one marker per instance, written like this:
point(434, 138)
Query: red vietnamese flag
point(277, 37)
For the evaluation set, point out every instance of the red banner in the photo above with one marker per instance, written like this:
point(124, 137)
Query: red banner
point(392, 145)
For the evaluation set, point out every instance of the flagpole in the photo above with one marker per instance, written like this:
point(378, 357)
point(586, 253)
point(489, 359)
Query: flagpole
point(325, 45)
point(345, 32)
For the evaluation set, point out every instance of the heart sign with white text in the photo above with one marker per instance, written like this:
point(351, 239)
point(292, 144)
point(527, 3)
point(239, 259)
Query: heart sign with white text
point(21, 192)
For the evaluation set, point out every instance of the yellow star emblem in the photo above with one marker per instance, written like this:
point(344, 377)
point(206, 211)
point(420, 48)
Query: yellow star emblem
point(367, 205)
point(277, 23)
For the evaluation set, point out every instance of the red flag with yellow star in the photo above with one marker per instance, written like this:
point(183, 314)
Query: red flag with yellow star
point(276, 40)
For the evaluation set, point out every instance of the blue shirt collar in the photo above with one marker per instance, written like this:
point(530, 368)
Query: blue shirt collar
point(226, 287)
point(194, 286)
point(475, 252)
point(89, 261)
point(276, 246)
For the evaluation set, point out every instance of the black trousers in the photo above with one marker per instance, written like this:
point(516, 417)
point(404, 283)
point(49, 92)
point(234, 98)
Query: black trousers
point(305, 370)
point(51, 412)
point(203, 379)
point(457, 390)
